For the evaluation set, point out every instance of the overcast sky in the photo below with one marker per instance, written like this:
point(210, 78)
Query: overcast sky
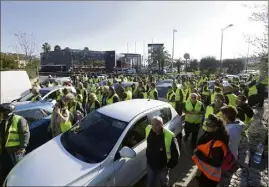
point(111, 25)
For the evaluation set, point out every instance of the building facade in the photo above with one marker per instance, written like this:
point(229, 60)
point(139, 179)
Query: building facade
point(75, 58)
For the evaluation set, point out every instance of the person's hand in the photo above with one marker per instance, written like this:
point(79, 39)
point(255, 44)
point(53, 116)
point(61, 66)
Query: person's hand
point(20, 151)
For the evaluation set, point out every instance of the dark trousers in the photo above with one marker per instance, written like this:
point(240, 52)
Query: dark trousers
point(205, 182)
point(193, 129)
point(179, 107)
point(155, 177)
point(5, 165)
point(261, 94)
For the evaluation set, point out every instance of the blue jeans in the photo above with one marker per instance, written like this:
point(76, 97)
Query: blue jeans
point(161, 176)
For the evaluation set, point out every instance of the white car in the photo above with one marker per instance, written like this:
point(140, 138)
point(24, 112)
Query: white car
point(106, 148)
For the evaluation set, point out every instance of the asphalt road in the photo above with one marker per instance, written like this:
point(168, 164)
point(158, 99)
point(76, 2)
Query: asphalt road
point(183, 173)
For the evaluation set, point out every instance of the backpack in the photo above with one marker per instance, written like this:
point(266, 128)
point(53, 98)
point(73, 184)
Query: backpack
point(228, 162)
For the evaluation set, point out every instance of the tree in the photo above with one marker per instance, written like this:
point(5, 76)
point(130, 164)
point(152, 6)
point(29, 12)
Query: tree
point(86, 49)
point(67, 48)
point(8, 62)
point(209, 64)
point(160, 57)
point(46, 47)
point(27, 44)
point(179, 63)
point(193, 65)
point(57, 48)
point(234, 65)
point(260, 14)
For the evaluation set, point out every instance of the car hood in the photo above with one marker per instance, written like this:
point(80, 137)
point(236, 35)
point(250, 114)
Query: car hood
point(51, 165)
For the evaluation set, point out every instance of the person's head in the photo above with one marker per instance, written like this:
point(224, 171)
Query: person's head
point(6, 110)
point(92, 97)
point(152, 85)
point(241, 100)
point(66, 91)
point(60, 104)
point(111, 90)
point(69, 98)
point(229, 113)
point(106, 89)
point(35, 90)
point(80, 85)
point(157, 124)
point(219, 100)
point(174, 85)
point(213, 123)
point(194, 98)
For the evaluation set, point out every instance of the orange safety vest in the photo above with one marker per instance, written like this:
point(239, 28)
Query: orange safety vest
point(211, 172)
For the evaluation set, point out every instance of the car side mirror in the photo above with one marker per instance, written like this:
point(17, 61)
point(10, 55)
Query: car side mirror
point(127, 152)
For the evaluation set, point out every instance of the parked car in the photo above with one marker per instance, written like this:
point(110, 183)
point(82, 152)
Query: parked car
point(47, 94)
point(38, 115)
point(169, 81)
point(106, 148)
point(212, 85)
point(162, 90)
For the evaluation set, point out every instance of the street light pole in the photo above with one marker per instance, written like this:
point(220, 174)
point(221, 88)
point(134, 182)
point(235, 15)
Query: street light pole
point(247, 57)
point(173, 48)
point(221, 45)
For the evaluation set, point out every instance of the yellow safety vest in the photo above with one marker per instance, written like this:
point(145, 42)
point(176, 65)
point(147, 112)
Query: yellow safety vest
point(173, 104)
point(129, 95)
point(151, 93)
point(185, 93)
point(65, 126)
point(145, 95)
point(265, 82)
point(93, 88)
point(92, 108)
point(209, 110)
point(232, 99)
point(206, 93)
point(34, 98)
point(168, 138)
point(252, 91)
point(168, 95)
point(193, 118)
point(13, 138)
point(178, 94)
point(59, 97)
point(110, 100)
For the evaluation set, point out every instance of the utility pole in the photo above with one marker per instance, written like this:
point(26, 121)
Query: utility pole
point(174, 30)
point(247, 57)
point(222, 44)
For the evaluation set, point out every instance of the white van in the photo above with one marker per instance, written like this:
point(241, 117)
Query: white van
point(14, 84)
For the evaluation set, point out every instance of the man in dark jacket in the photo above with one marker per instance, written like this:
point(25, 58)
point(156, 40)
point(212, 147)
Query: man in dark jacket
point(14, 137)
point(162, 152)
point(245, 112)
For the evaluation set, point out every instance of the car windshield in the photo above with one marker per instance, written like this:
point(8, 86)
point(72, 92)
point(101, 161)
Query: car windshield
point(92, 139)
point(162, 91)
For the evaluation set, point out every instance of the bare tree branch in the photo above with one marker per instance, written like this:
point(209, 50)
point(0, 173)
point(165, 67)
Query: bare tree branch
point(27, 44)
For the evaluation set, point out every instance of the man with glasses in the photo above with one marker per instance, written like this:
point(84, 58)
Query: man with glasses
point(193, 110)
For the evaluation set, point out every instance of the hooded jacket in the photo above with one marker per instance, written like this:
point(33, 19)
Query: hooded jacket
point(234, 130)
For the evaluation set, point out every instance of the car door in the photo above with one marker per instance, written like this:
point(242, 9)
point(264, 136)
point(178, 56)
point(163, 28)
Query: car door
point(128, 171)
point(38, 125)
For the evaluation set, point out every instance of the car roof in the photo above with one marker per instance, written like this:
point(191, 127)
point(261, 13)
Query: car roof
point(127, 110)
point(32, 105)
point(164, 85)
point(53, 88)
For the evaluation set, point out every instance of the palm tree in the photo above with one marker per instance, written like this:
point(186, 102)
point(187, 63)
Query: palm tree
point(186, 57)
point(46, 47)
point(160, 56)
point(57, 48)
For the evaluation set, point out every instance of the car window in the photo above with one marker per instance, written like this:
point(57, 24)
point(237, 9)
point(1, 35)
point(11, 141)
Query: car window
point(32, 115)
point(165, 113)
point(162, 91)
point(136, 134)
point(27, 97)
